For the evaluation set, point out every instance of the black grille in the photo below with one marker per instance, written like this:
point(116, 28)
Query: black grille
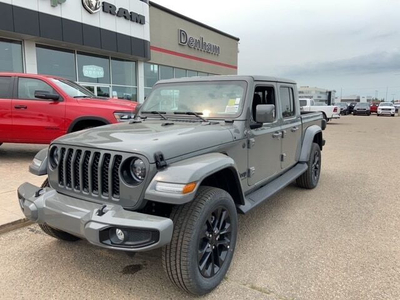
point(61, 167)
point(115, 176)
point(104, 175)
point(90, 172)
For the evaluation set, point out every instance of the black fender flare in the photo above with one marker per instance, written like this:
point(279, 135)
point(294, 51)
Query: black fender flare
point(87, 118)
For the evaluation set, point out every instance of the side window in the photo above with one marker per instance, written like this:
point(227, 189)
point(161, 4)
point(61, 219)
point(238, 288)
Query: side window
point(5, 87)
point(28, 86)
point(263, 95)
point(287, 102)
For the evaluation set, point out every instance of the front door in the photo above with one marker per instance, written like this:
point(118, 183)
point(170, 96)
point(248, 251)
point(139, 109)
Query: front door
point(6, 87)
point(291, 127)
point(264, 143)
point(34, 119)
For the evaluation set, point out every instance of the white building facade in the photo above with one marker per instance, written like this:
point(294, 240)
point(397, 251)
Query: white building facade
point(317, 94)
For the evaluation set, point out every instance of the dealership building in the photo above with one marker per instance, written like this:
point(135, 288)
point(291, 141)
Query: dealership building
point(115, 48)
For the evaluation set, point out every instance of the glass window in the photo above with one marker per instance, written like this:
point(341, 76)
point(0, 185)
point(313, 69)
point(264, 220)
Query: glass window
point(125, 93)
point(56, 62)
point(210, 99)
point(202, 74)
point(287, 102)
point(179, 73)
point(5, 88)
point(123, 72)
point(10, 56)
point(150, 75)
point(191, 73)
point(73, 89)
point(28, 86)
point(103, 91)
point(94, 69)
point(166, 72)
point(147, 92)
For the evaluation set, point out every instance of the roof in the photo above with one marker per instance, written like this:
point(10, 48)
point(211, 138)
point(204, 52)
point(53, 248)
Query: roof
point(167, 10)
point(229, 77)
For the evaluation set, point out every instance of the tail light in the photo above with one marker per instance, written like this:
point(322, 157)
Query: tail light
point(335, 109)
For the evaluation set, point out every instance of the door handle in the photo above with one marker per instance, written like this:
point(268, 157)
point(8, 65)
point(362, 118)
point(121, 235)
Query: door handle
point(294, 129)
point(277, 135)
point(20, 107)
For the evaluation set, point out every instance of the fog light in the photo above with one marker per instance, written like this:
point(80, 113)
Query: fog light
point(120, 234)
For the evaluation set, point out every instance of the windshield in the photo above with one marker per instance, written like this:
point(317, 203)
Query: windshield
point(217, 99)
point(386, 104)
point(362, 105)
point(73, 89)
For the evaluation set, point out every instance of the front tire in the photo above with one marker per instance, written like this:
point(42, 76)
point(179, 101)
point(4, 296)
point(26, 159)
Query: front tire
point(310, 178)
point(203, 242)
point(55, 233)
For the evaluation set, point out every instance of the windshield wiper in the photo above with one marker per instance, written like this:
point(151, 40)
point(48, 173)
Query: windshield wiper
point(82, 97)
point(191, 113)
point(154, 112)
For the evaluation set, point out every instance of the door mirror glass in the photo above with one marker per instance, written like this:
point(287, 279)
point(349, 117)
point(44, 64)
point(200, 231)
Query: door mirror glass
point(265, 113)
point(47, 95)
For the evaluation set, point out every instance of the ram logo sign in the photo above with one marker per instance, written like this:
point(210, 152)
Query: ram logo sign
point(92, 6)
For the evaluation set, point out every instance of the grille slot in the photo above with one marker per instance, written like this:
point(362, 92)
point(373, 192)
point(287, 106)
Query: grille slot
point(115, 176)
point(104, 175)
point(61, 168)
point(93, 173)
point(77, 183)
point(85, 171)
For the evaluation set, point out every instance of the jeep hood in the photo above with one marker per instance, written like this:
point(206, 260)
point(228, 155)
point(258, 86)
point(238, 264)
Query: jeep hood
point(151, 136)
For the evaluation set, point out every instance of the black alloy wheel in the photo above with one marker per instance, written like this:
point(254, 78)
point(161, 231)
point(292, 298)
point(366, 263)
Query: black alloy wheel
point(214, 242)
point(316, 166)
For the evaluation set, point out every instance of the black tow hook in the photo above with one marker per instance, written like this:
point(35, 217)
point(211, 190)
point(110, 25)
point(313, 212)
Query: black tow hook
point(39, 193)
point(102, 211)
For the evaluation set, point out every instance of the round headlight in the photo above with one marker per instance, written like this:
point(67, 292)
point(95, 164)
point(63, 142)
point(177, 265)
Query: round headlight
point(138, 169)
point(54, 157)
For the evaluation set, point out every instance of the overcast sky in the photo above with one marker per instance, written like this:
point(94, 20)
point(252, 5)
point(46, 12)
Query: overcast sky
point(352, 45)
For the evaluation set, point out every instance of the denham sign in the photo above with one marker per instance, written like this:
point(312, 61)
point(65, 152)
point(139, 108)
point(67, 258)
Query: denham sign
point(197, 43)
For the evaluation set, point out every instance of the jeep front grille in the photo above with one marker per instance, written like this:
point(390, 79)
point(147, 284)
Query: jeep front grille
point(90, 172)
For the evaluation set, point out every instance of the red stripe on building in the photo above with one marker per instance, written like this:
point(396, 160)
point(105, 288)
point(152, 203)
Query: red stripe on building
point(212, 62)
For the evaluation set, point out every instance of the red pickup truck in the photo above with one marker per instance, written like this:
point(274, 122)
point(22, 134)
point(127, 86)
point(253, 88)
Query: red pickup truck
point(37, 108)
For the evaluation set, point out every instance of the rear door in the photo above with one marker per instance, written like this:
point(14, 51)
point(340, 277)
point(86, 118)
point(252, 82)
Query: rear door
point(6, 87)
point(291, 126)
point(36, 120)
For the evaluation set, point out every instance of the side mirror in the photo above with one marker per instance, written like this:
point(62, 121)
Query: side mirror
point(265, 113)
point(47, 95)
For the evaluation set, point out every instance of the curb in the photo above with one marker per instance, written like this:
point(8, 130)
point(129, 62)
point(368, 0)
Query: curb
point(4, 228)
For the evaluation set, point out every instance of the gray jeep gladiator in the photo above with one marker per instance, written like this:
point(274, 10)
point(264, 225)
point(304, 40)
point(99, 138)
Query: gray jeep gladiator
point(200, 151)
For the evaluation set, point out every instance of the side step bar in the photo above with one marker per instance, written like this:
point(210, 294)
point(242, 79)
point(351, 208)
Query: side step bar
point(257, 197)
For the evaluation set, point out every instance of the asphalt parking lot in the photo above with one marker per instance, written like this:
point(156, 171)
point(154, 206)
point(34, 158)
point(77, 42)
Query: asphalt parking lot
point(339, 241)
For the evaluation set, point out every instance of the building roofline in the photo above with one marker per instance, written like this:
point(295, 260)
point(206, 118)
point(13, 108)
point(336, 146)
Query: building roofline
point(167, 10)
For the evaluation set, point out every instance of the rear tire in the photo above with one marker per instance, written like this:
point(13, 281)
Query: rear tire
point(310, 178)
point(203, 242)
point(55, 233)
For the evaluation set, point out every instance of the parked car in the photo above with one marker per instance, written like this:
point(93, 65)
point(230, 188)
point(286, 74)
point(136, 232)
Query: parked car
point(38, 109)
point(374, 107)
point(344, 108)
point(329, 112)
point(362, 109)
point(177, 177)
point(351, 107)
point(386, 108)
point(397, 106)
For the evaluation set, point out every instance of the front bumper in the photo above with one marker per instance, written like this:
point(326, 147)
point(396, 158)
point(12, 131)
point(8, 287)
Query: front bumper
point(82, 218)
point(386, 112)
